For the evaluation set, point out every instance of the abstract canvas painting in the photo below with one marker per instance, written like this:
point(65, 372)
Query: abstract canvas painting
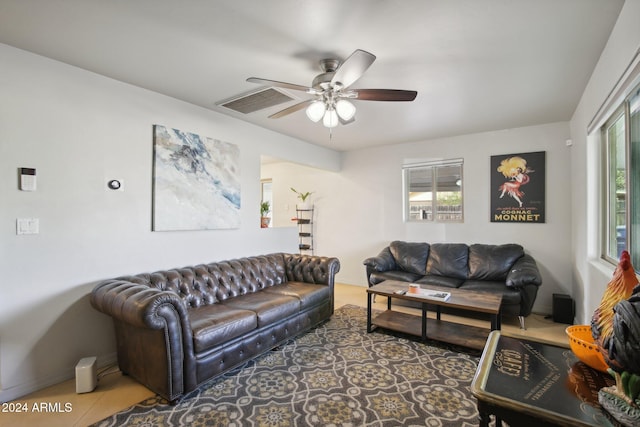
point(196, 182)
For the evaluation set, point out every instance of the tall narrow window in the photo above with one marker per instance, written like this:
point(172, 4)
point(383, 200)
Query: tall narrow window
point(616, 186)
point(433, 191)
point(633, 238)
point(621, 137)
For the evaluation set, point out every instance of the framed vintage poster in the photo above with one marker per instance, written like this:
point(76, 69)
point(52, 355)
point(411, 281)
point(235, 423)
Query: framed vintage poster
point(518, 187)
point(196, 182)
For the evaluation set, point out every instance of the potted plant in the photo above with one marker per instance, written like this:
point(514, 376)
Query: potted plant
point(303, 198)
point(265, 208)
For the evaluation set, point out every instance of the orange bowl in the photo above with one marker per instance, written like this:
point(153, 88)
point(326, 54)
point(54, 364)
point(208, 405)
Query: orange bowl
point(583, 346)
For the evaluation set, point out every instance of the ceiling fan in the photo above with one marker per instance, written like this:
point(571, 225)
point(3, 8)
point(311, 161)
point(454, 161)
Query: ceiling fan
point(332, 93)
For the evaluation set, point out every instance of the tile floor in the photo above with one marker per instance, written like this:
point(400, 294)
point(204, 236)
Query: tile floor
point(116, 392)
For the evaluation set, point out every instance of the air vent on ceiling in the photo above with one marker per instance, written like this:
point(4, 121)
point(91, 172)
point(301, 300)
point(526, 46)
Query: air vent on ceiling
point(254, 101)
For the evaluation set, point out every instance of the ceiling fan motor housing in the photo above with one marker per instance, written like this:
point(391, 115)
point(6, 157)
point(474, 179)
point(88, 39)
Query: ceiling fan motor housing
point(323, 81)
point(329, 67)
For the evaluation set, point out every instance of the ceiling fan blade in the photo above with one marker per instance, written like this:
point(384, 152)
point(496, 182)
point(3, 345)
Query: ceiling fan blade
point(385, 94)
point(353, 68)
point(285, 85)
point(295, 107)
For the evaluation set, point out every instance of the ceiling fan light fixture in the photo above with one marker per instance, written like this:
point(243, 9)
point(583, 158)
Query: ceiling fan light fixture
point(345, 109)
point(330, 118)
point(331, 90)
point(316, 110)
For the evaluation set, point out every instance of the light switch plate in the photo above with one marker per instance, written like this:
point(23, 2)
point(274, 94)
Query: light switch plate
point(27, 226)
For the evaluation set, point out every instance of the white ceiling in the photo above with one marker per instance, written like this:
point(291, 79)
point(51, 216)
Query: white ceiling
point(478, 65)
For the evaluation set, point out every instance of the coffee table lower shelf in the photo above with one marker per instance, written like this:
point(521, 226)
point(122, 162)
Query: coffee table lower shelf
point(440, 330)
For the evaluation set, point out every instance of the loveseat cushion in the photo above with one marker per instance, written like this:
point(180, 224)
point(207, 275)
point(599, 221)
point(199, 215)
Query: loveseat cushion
point(410, 256)
point(215, 324)
point(309, 295)
point(510, 296)
point(492, 262)
point(448, 259)
point(269, 307)
point(432, 279)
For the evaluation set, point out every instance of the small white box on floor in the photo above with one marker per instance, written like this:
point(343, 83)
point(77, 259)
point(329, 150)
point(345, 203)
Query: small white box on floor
point(86, 375)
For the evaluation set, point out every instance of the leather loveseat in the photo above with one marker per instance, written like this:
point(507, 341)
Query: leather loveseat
point(178, 328)
point(504, 269)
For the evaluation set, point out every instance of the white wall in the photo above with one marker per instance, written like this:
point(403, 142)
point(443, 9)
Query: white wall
point(359, 210)
point(590, 274)
point(78, 129)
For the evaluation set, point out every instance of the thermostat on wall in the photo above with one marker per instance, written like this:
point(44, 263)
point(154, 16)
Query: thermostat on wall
point(27, 179)
point(115, 184)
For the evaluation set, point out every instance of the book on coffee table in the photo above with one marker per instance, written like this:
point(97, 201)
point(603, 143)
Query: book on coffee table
point(431, 294)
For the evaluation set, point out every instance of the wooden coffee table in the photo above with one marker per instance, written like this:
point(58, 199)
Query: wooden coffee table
point(437, 329)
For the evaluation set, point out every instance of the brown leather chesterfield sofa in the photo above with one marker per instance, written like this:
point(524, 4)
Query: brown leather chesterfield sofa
point(501, 269)
point(178, 328)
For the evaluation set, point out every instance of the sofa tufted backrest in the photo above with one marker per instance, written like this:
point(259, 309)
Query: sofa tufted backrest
point(207, 284)
point(309, 269)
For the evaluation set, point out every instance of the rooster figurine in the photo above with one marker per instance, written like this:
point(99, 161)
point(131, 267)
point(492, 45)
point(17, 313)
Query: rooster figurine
point(615, 327)
point(619, 289)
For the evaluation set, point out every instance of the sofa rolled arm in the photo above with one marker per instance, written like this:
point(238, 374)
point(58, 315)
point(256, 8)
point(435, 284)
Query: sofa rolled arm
point(135, 307)
point(138, 305)
point(524, 272)
point(384, 261)
point(314, 269)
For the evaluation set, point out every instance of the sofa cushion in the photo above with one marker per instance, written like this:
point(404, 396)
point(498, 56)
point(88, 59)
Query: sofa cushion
point(509, 295)
point(449, 259)
point(308, 294)
point(403, 276)
point(269, 307)
point(410, 256)
point(215, 324)
point(492, 262)
point(432, 279)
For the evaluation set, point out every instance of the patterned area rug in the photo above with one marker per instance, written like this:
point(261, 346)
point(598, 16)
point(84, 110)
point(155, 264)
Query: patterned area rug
point(334, 375)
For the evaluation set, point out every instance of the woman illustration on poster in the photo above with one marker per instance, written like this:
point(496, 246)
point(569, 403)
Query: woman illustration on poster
point(516, 171)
